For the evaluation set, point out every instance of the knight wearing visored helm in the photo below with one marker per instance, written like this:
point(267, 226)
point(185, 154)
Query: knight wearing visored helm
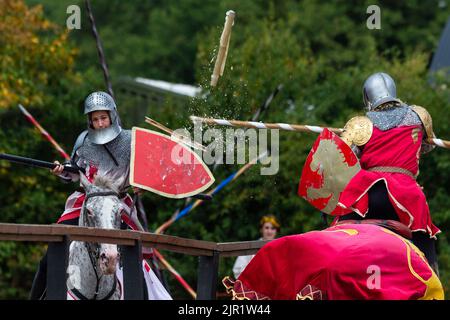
point(389, 141)
point(104, 148)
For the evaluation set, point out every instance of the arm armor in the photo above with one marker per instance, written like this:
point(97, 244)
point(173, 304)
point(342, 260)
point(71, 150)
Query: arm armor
point(67, 177)
point(427, 123)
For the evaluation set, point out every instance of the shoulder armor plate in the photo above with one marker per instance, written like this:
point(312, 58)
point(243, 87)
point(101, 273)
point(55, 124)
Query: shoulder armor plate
point(426, 119)
point(79, 142)
point(357, 131)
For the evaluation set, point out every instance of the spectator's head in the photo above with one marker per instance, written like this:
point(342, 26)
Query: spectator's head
point(269, 227)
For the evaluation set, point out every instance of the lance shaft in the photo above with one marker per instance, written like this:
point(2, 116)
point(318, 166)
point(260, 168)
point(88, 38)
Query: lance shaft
point(175, 274)
point(43, 132)
point(37, 163)
point(440, 143)
point(100, 52)
point(260, 125)
point(223, 48)
point(291, 127)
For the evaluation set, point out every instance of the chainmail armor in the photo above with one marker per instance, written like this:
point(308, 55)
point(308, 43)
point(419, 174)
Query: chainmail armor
point(394, 117)
point(91, 154)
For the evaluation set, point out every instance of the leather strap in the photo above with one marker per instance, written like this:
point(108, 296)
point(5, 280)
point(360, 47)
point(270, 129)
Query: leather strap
point(80, 296)
point(394, 170)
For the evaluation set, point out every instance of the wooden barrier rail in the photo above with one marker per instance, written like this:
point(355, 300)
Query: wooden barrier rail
point(131, 242)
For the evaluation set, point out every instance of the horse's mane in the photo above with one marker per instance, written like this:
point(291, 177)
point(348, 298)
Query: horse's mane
point(106, 182)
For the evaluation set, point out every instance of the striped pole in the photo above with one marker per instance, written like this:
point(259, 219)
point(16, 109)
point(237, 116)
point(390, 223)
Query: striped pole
point(167, 265)
point(222, 184)
point(44, 132)
point(440, 143)
point(176, 275)
point(266, 103)
point(261, 125)
point(290, 127)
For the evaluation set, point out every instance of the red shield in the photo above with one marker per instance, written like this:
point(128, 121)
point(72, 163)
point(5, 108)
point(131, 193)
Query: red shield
point(330, 165)
point(161, 165)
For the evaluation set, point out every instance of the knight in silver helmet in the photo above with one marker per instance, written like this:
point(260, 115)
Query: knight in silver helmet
point(386, 111)
point(389, 140)
point(103, 149)
point(379, 89)
point(101, 101)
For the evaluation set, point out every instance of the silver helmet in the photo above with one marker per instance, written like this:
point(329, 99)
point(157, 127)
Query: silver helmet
point(97, 101)
point(378, 89)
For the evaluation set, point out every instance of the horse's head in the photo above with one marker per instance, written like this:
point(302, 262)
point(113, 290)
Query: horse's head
point(102, 209)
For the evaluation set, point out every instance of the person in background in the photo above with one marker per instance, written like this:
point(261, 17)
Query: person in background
point(269, 227)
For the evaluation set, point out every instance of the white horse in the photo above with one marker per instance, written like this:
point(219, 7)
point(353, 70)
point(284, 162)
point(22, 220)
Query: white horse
point(93, 270)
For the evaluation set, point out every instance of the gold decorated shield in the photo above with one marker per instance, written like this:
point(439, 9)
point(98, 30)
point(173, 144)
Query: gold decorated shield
point(328, 169)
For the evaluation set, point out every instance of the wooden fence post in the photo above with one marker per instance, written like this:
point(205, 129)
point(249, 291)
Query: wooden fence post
point(208, 270)
point(57, 259)
point(133, 277)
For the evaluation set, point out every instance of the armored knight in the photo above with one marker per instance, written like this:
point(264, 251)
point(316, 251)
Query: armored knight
point(389, 141)
point(104, 148)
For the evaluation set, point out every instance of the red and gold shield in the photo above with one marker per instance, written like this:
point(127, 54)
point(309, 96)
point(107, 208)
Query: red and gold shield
point(162, 165)
point(330, 165)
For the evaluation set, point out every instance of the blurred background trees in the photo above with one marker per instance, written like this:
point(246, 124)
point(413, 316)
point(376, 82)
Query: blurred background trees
point(320, 52)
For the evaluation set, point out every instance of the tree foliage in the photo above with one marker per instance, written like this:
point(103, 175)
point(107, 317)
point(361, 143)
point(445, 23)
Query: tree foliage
point(37, 71)
point(321, 53)
point(32, 52)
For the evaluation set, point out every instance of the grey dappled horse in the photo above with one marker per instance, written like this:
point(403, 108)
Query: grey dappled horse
point(92, 266)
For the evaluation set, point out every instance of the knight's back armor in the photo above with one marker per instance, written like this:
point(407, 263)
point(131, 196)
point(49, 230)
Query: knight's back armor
point(358, 130)
point(394, 117)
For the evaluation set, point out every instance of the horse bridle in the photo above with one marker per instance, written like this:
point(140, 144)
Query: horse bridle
point(94, 254)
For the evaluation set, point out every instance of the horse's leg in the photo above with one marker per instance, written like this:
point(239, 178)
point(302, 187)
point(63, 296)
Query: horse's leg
point(39, 285)
point(81, 273)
